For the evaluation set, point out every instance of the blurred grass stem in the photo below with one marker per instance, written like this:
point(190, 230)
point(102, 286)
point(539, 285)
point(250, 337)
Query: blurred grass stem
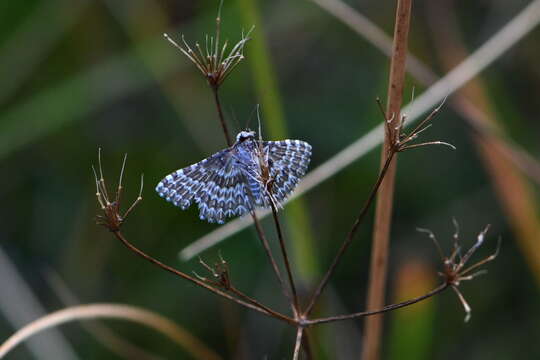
point(265, 81)
point(383, 211)
point(116, 311)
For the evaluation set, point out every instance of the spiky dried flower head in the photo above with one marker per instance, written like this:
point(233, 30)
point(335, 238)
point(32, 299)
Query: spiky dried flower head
point(455, 269)
point(111, 218)
point(214, 60)
point(220, 273)
point(400, 140)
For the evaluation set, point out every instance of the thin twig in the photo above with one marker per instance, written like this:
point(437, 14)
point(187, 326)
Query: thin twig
point(117, 311)
point(298, 343)
point(385, 196)
point(387, 308)
point(215, 91)
point(201, 283)
point(286, 260)
point(350, 236)
point(270, 256)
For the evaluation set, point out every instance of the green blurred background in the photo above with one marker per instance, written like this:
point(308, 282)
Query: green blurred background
point(77, 75)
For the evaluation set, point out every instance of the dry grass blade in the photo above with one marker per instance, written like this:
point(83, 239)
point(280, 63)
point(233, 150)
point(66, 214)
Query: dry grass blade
point(113, 311)
point(20, 305)
point(491, 50)
point(385, 197)
point(109, 338)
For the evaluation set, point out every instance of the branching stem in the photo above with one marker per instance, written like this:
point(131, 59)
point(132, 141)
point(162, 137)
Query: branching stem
point(350, 235)
point(387, 308)
point(252, 304)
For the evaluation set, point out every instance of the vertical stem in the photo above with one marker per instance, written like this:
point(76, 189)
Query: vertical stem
point(298, 343)
point(215, 90)
point(266, 246)
point(383, 212)
point(286, 260)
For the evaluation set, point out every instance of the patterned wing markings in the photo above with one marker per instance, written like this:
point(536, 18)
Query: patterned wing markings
point(288, 161)
point(235, 180)
point(216, 184)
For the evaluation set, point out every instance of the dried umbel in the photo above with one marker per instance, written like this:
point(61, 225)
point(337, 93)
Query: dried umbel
point(455, 269)
point(112, 218)
point(214, 60)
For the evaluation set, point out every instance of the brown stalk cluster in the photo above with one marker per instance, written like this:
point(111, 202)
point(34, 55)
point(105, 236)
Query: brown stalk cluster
point(216, 65)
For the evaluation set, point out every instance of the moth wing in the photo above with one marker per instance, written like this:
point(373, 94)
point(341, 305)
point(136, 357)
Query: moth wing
point(216, 184)
point(288, 161)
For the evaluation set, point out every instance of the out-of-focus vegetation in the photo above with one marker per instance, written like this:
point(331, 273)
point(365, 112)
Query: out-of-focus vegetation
point(78, 75)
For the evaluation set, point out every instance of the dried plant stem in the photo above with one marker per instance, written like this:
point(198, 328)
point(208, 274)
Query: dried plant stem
point(271, 258)
point(350, 235)
point(253, 304)
point(298, 343)
point(215, 91)
point(118, 311)
point(387, 308)
point(383, 211)
point(286, 260)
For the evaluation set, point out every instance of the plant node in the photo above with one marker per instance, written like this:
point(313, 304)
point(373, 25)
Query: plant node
point(111, 218)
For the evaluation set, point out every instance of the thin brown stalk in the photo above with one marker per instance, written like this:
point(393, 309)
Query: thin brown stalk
point(298, 343)
point(270, 256)
point(383, 211)
point(215, 91)
point(285, 259)
point(350, 236)
point(255, 302)
point(256, 307)
point(387, 308)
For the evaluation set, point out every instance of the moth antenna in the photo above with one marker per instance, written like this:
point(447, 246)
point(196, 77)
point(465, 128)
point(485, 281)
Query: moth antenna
point(235, 119)
point(259, 120)
point(250, 117)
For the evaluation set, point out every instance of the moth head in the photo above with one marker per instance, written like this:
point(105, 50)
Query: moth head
point(245, 135)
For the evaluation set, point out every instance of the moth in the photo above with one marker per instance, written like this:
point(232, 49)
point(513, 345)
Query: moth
point(250, 174)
